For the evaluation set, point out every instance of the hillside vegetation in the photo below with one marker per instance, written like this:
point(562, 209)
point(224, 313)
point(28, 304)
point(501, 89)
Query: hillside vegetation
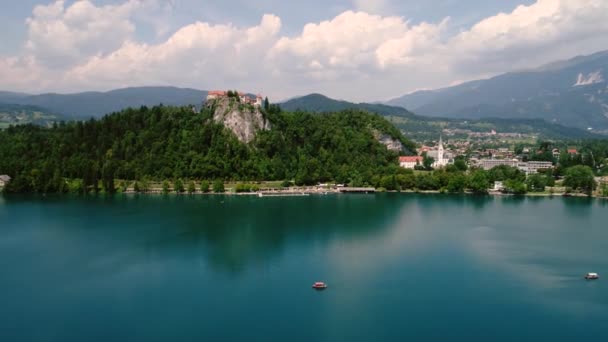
point(318, 103)
point(177, 143)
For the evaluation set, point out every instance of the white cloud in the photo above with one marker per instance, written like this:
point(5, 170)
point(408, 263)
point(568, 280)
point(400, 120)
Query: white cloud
point(348, 43)
point(539, 33)
point(419, 44)
point(201, 54)
point(60, 35)
point(355, 55)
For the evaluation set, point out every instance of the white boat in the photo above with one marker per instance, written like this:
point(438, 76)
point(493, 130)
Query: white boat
point(592, 276)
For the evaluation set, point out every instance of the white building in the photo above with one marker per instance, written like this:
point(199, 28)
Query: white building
point(440, 160)
point(488, 164)
point(498, 186)
point(529, 168)
point(532, 167)
point(410, 162)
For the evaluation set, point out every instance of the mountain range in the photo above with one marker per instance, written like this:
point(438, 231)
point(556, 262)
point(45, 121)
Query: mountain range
point(96, 104)
point(572, 93)
point(420, 127)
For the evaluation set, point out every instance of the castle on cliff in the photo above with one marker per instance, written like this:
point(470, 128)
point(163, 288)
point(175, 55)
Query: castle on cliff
point(244, 98)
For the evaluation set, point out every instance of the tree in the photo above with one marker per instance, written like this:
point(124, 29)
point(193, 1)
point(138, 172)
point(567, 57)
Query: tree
point(205, 186)
point(457, 183)
point(266, 103)
point(218, 186)
point(144, 185)
point(580, 177)
point(460, 163)
point(427, 182)
point(505, 172)
point(536, 183)
point(389, 183)
point(166, 187)
point(427, 162)
point(479, 182)
point(191, 187)
point(514, 186)
point(178, 185)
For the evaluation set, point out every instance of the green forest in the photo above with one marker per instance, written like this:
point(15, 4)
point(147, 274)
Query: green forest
point(177, 143)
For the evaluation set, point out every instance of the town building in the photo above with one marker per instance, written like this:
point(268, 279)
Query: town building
point(4, 179)
point(244, 98)
point(488, 164)
point(440, 160)
point(440, 156)
point(532, 167)
point(529, 168)
point(410, 162)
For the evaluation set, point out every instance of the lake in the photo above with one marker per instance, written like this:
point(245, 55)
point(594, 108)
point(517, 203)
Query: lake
point(423, 267)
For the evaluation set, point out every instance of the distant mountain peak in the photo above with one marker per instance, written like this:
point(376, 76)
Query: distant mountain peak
point(318, 103)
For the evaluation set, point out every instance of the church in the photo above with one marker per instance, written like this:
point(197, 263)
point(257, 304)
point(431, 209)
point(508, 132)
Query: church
point(439, 155)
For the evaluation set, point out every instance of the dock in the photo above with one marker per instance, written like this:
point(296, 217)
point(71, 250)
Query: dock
point(357, 190)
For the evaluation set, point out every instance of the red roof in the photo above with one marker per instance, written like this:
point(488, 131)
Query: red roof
point(410, 159)
point(217, 92)
point(572, 151)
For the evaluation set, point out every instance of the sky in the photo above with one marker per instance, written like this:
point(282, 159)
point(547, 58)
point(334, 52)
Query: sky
point(357, 50)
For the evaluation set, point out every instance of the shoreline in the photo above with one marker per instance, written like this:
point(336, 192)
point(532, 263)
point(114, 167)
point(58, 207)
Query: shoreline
point(322, 192)
point(308, 191)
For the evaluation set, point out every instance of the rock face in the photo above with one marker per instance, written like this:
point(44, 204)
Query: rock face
point(391, 143)
point(242, 119)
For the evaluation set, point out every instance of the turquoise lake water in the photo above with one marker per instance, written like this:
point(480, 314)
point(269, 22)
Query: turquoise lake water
point(212, 268)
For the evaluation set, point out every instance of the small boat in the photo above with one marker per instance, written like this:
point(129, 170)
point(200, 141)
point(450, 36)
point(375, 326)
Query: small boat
point(592, 276)
point(319, 285)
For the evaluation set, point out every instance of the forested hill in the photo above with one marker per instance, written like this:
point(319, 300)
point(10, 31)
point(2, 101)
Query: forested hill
point(318, 103)
point(177, 143)
point(422, 127)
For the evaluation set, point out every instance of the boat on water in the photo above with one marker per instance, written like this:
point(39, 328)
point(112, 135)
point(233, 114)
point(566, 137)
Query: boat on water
point(592, 276)
point(319, 285)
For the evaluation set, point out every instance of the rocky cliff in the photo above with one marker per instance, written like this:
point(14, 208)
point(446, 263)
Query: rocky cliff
point(244, 120)
point(391, 143)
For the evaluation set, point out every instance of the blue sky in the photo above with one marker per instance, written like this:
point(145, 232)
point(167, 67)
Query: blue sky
point(358, 50)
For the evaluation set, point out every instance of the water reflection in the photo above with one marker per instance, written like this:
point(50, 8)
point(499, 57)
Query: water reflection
point(201, 265)
point(546, 250)
point(230, 233)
